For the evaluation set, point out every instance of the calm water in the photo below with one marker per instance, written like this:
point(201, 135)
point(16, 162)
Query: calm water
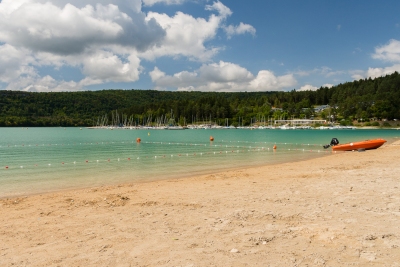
point(35, 160)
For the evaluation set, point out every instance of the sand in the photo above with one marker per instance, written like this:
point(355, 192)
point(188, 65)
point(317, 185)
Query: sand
point(339, 210)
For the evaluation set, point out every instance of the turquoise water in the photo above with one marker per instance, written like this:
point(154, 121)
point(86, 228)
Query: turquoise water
point(36, 160)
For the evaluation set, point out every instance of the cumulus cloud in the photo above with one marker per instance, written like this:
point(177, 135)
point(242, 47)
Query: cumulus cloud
point(15, 63)
point(241, 29)
point(389, 52)
point(133, 5)
point(166, 2)
point(375, 72)
point(186, 36)
point(230, 30)
point(106, 40)
point(107, 66)
point(222, 77)
point(221, 73)
point(267, 81)
point(48, 28)
point(99, 39)
point(308, 87)
point(47, 83)
point(222, 10)
point(329, 85)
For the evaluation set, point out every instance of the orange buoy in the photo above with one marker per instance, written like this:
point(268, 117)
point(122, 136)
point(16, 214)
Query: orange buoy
point(138, 140)
point(274, 147)
point(6, 167)
point(211, 138)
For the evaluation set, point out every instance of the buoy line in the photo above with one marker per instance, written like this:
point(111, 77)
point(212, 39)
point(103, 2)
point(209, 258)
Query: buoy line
point(271, 142)
point(138, 141)
point(186, 154)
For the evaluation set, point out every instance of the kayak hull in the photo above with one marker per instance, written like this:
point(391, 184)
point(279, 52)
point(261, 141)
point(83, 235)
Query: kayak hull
point(367, 144)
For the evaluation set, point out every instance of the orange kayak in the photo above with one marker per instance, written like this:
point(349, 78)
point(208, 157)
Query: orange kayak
point(367, 144)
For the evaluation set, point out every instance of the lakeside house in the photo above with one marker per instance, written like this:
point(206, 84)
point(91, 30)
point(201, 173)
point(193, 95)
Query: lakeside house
point(321, 108)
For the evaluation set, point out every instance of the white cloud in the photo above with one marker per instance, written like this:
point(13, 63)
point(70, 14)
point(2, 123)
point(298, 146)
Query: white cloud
point(42, 84)
point(106, 41)
point(225, 72)
point(156, 74)
point(308, 87)
point(378, 72)
point(186, 36)
point(222, 10)
point(166, 2)
point(389, 52)
point(375, 72)
point(100, 40)
point(334, 73)
point(324, 71)
point(267, 81)
point(222, 73)
point(230, 30)
point(329, 85)
point(107, 66)
point(133, 5)
point(14, 63)
point(241, 29)
point(303, 73)
point(68, 30)
point(223, 76)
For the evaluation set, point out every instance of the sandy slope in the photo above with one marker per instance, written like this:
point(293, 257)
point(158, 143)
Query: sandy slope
point(340, 210)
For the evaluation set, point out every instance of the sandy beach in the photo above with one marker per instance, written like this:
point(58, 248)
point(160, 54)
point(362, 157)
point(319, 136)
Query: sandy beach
point(339, 210)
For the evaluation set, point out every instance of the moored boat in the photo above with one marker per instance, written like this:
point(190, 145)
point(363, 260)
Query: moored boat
point(364, 145)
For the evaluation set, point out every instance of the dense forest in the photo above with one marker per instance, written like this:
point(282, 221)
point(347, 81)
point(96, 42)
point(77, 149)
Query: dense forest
point(358, 100)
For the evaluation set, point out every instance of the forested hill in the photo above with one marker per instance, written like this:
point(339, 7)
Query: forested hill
point(364, 99)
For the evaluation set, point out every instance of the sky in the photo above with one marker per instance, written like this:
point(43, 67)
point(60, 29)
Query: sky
point(195, 45)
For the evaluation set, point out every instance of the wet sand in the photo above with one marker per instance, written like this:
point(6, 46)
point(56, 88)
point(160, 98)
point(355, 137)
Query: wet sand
point(339, 210)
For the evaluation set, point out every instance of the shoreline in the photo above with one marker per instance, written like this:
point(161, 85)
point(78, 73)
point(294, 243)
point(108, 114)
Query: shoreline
point(167, 178)
point(322, 154)
point(339, 210)
point(114, 179)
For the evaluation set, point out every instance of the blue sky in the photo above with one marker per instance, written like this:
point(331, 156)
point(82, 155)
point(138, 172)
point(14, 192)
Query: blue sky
point(200, 45)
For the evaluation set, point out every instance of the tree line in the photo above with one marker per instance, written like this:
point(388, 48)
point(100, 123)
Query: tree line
point(358, 100)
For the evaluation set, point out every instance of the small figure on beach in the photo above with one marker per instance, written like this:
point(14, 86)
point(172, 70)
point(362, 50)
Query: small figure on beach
point(334, 142)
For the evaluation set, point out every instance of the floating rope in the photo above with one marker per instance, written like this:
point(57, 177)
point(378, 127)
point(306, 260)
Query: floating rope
point(192, 154)
point(214, 143)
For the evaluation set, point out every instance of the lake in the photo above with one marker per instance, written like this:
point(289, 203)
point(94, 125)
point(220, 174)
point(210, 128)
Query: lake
point(38, 160)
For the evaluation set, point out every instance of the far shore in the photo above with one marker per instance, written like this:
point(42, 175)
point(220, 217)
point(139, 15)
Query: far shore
point(338, 210)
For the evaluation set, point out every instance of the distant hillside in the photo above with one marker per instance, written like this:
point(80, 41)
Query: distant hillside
point(364, 99)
